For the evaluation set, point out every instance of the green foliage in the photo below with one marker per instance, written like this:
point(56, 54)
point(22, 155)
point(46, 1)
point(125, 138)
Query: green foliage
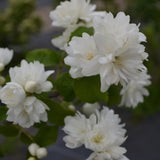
point(3, 113)
point(57, 111)
point(9, 130)
point(46, 135)
point(25, 139)
point(114, 96)
point(45, 56)
point(80, 30)
point(64, 84)
point(18, 22)
point(87, 89)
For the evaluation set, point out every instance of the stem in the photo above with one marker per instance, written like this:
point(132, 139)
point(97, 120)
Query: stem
point(24, 132)
point(60, 65)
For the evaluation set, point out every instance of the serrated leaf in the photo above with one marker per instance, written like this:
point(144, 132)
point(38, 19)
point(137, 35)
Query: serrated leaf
point(45, 56)
point(25, 139)
point(80, 30)
point(3, 113)
point(46, 135)
point(57, 112)
point(87, 89)
point(8, 130)
point(64, 84)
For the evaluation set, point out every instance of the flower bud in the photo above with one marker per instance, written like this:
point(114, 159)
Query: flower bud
point(88, 108)
point(2, 80)
point(33, 149)
point(72, 107)
point(41, 153)
point(1, 67)
point(30, 86)
point(31, 158)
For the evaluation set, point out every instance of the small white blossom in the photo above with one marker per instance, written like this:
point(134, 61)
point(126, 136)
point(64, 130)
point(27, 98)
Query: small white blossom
point(6, 56)
point(76, 128)
point(82, 56)
point(71, 12)
point(104, 156)
point(101, 133)
point(31, 76)
point(41, 153)
point(27, 113)
point(133, 92)
point(33, 149)
point(89, 109)
point(12, 94)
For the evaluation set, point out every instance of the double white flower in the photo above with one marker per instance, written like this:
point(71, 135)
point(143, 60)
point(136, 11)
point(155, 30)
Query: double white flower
point(31, 78)
point(101, 133)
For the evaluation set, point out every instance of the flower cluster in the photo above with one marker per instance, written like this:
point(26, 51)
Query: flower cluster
point(24, 108)
point(101, 133)
point(114, 51)
point(6, 56)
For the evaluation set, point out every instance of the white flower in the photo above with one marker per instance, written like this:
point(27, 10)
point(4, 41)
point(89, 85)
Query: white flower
point(41, 153)
point(118, 43)
point(101, 133)
point(12, 94)
point(31, 76)
point(88, 108)
point(104, 156)
point(6, 56)
point(27, 113)
point(76, 128)
point(82, 56)
point(70, 12)
point(33, 149)
point(133, 92)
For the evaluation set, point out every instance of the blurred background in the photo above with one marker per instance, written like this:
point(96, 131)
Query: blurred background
point(25, 25)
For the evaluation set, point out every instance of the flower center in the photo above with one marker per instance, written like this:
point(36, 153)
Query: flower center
point(98, 138)
point(89, 56)
point(117, 61)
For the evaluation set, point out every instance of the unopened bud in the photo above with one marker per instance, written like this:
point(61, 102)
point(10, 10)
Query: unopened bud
point(72, 107)
point(30, 86)
point(88, 108)
point(2, 80)
point(41, 153)
point(33, 149)
point(1, 67)
point(31, 158)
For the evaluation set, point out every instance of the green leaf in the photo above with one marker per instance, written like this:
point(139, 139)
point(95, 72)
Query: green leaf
point(8, 130)
point(25, 139)
point(57, 112)
point(45, 56)
point(3, 113)
point(87, 89)
point(80, 30)
point(114, 96)
point(64, 84)
point(46, 135)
